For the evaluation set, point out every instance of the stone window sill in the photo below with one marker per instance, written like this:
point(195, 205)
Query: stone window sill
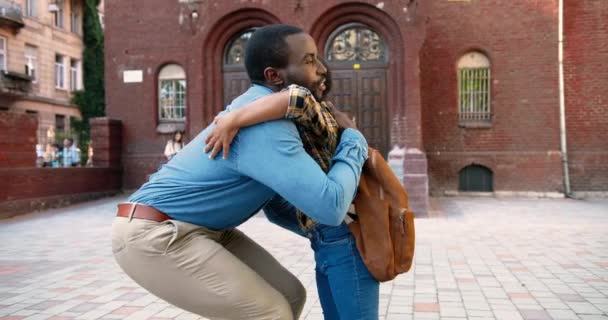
point(170, 127)
point(475, 124)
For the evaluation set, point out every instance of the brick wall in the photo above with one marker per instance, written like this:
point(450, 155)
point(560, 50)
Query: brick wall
point(154, 37)
point(586, 74)
point(28, 188)
point(106, 139)
point(520, 39)
point(35, 189)
point(18, 142)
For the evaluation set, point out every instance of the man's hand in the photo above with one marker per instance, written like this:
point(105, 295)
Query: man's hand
point(343, 120)
point(222, 135)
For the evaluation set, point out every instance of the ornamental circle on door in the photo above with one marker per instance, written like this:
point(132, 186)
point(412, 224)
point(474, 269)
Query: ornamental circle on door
point(358, 59)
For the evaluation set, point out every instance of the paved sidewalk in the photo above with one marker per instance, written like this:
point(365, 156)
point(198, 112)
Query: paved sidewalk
point(485, 259)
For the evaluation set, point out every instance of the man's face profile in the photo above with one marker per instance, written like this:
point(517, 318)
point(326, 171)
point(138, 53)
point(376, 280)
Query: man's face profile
point(304, 67)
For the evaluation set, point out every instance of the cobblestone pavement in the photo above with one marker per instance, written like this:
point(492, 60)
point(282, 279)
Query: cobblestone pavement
point(482, 259)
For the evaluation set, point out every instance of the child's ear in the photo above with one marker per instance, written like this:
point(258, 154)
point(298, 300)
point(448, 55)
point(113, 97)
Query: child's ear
point(273, 76)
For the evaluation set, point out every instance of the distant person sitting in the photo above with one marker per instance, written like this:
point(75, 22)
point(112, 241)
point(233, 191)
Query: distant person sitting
point(70, 155)
point(174, 145)
point(39, 155)
point(90, 154)
point(49, 158)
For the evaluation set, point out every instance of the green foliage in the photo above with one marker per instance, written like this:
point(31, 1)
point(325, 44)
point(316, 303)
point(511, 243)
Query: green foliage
point(91, 100)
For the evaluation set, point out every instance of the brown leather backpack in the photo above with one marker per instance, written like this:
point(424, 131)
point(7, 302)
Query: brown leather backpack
point(384, 225)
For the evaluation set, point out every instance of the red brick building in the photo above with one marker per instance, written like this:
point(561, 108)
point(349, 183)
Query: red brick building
point(470, 88)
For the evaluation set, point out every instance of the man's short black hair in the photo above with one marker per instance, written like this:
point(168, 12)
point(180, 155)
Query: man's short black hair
point(267, 48)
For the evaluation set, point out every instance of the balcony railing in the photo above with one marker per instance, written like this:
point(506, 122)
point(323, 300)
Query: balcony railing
point(11, 14)
point(14, 83)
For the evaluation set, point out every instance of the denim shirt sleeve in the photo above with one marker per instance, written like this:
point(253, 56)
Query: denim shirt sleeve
point(272, 154)
point(283, 214)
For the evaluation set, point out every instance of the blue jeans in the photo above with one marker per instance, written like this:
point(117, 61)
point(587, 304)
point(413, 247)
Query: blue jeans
point(347, 290)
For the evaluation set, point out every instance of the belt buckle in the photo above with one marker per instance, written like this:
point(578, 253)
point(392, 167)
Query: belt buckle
point(134, 205)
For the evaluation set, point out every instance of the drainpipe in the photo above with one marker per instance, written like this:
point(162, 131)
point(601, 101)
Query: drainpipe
point(562, 100)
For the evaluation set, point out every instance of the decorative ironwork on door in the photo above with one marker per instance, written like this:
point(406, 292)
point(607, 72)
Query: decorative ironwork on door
point(356, 43)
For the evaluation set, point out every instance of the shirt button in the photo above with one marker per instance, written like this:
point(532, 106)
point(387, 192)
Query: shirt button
point(309, 235)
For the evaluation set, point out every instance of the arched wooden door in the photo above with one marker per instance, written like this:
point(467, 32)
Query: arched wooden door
point(358, 59)
point(235, 76)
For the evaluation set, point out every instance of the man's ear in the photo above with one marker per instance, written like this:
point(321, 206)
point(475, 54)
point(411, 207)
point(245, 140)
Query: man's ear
point(273, 76)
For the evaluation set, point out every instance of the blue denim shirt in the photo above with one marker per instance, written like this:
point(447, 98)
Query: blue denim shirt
point(264, 160)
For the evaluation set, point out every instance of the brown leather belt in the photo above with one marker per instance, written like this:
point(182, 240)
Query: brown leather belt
point(140, 211)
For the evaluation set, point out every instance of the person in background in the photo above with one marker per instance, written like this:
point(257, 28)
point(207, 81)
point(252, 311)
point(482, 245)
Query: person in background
point(39, 155)
point(50, 155)
point(90, 154)
point(174, 145)
point(70, 155)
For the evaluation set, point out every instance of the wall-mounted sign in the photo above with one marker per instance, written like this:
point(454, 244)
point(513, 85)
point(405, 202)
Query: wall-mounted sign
point(132, 76)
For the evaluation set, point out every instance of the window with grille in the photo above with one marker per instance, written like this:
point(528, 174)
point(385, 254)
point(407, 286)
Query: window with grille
point(3, 55)
point(31, 62)
point(172, 93)
point(59, 72)
point(474, 84)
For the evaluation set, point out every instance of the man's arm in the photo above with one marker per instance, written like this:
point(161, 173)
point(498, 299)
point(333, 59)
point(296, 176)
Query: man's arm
point(295, 103)
point(272, 153)
point(283, 214)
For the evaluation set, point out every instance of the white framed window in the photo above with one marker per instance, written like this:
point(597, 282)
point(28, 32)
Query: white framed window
point(74, 74)
point(474, 88)
point(59, 14)
point(74, 17)
point(30, 7)
point(172, 93)
point(31, 62)
point(3, 54)
point(59, 71)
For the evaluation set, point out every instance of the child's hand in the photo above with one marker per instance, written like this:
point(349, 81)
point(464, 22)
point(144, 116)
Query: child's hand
point(222, 135)
point(342, 118)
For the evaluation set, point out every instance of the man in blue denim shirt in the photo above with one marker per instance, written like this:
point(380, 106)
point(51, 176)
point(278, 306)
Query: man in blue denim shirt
point(176, 237)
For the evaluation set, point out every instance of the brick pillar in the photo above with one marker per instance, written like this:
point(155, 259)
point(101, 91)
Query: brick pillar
point(416, 180)
point(18, 142)
point(106, 138)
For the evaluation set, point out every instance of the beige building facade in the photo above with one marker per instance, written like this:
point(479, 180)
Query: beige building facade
point(41, 61)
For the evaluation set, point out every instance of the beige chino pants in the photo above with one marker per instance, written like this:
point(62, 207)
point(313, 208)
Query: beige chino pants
point(217, 275)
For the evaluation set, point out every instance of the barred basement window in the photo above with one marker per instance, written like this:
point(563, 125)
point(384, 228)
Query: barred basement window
point(474, 84)
point(475, 178)
point(172, 93)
